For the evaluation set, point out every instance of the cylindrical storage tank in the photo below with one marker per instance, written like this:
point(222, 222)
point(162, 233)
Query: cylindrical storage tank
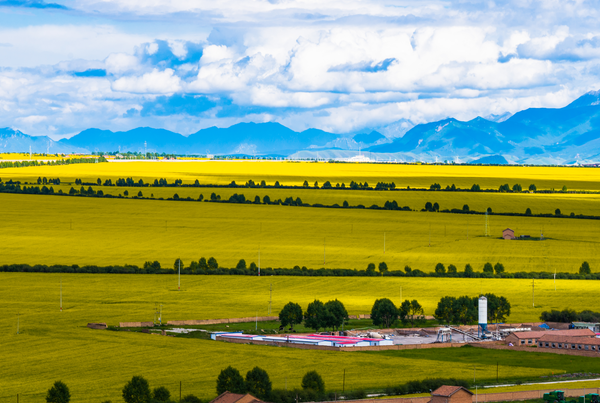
point(482, 310)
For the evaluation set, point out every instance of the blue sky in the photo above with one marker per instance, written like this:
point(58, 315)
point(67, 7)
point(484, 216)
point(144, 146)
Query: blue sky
point(340, 65)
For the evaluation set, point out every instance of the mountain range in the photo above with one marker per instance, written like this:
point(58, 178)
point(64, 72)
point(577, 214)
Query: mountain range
point(532, 136)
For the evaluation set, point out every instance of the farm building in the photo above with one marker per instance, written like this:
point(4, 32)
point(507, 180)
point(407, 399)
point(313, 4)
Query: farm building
point(311, 339)
point(569, 342)
point(228, 397)
point(595, 327)
point(531, 338)
point(508, 234)
point(451, 394)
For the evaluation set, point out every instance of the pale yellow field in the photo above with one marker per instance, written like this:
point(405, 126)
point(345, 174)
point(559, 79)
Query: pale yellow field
point(290, 173)
point(77, 230)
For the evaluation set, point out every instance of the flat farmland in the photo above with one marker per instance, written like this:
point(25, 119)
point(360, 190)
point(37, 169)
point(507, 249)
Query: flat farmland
point(295, 173)
point(77, 230)
point(96, 364)
point(539, 203)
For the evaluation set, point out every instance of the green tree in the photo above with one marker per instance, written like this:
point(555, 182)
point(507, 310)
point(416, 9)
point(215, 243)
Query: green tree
point(468, 270)
point(212, 263)
point(428, 206)
point(384, 313)
point(258, 383)
point(291, 314)
point(305, 184)
point(99, 182)
point(202, 263)
point(452, 269)
point(411, 312)
point(267, 199)
point(564, 188)
point(58, 393)
point(532, 187)
point(383, 267)
point(178, 264)
point(489, 210)
point(315, 315)
point(313, 381)
point(499, 268)
point(444, 312)
point(241, 264)
point(316, 184)
point(337, 314)
point(517, 188)
point(137, 390)
point(498, 308)
point(230, 380)
point(407, 269)
point(585, 268)
point(488, 268)
point(436, 207)
point(557, 212)
point(466, 207)
point(345, 204)
point(126, 193)
point(161, 394)
point(371, 268)
point(528, 211)
point(140, 194)
point(440, 269)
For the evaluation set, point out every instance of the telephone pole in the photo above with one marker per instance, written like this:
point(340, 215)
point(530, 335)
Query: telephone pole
point(533, 292)
point(179, 275)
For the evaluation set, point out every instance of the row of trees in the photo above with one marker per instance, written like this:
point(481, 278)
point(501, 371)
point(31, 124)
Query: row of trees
point(464, 310)
point(570, 315)
point(137, 390)
point(331, 314)
point(211, 267)
point(36, 163)
point(498, 268)
point(385, 314)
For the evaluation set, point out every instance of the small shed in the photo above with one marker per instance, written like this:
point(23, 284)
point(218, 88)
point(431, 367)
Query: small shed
point(451, 394)
point(508, 234)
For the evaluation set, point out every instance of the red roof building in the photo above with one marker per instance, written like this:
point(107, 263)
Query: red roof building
point(451, 394)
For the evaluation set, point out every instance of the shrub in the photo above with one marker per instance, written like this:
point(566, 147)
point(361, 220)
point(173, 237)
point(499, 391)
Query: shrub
point(137, 390)
point(258, 383)
point(585, 268)
point(161, 394)
point(440, 269)
point(313, 381)
point(230, 380)
point(488, 268)
point(58, 393)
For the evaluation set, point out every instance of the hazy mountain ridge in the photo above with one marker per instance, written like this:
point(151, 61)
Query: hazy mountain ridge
point(535, 135)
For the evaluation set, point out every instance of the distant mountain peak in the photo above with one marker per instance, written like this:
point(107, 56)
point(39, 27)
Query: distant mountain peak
point(591, 98)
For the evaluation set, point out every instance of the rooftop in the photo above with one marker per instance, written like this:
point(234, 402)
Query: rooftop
point(569, 332)
point(448, 391)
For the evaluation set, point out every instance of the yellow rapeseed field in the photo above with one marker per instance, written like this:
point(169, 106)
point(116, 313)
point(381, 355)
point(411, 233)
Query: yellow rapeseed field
point(295, 173)
point(78, 230)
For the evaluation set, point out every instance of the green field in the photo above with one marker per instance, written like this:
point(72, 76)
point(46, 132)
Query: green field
point(76, 230)
point(96, 364)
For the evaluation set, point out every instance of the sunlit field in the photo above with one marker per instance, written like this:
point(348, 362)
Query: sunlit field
point(96, 364)
point(79, 230)
point(295, 173)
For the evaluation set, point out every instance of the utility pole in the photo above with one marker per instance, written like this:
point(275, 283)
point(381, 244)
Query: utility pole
point(179, 275)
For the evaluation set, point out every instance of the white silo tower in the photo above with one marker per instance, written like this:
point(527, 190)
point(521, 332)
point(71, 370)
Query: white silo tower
point(482, 316)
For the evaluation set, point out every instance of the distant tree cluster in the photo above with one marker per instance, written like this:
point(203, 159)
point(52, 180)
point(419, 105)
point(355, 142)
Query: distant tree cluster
point(385, 314)
point(331, 314)
point(464, 310)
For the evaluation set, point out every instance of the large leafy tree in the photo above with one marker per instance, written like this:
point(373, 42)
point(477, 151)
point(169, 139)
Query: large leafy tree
point(313, 381)
point(445, 310)
point(258, 383)
point(161, 394)
point(411, 312)
point(384, 313)
point(137, 390)
point(336, 314)
point(291, 314)
point(230, 380)
point(498, 308)
point(315, 315)
point(58, 393)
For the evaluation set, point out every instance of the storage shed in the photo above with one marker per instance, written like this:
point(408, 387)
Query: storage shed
point(531, 338)
point(451, 394)
point(508, 234)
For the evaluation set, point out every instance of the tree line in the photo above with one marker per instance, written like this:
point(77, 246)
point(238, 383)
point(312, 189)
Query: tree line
point(570, 315)
point(210, 266)
point(331, 314)
point(37, 163)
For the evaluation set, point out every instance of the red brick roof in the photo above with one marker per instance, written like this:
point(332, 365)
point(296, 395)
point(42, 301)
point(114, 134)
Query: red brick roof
point(228, 397)
point(448, 391)
point(570, 332)
point(551, 338)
